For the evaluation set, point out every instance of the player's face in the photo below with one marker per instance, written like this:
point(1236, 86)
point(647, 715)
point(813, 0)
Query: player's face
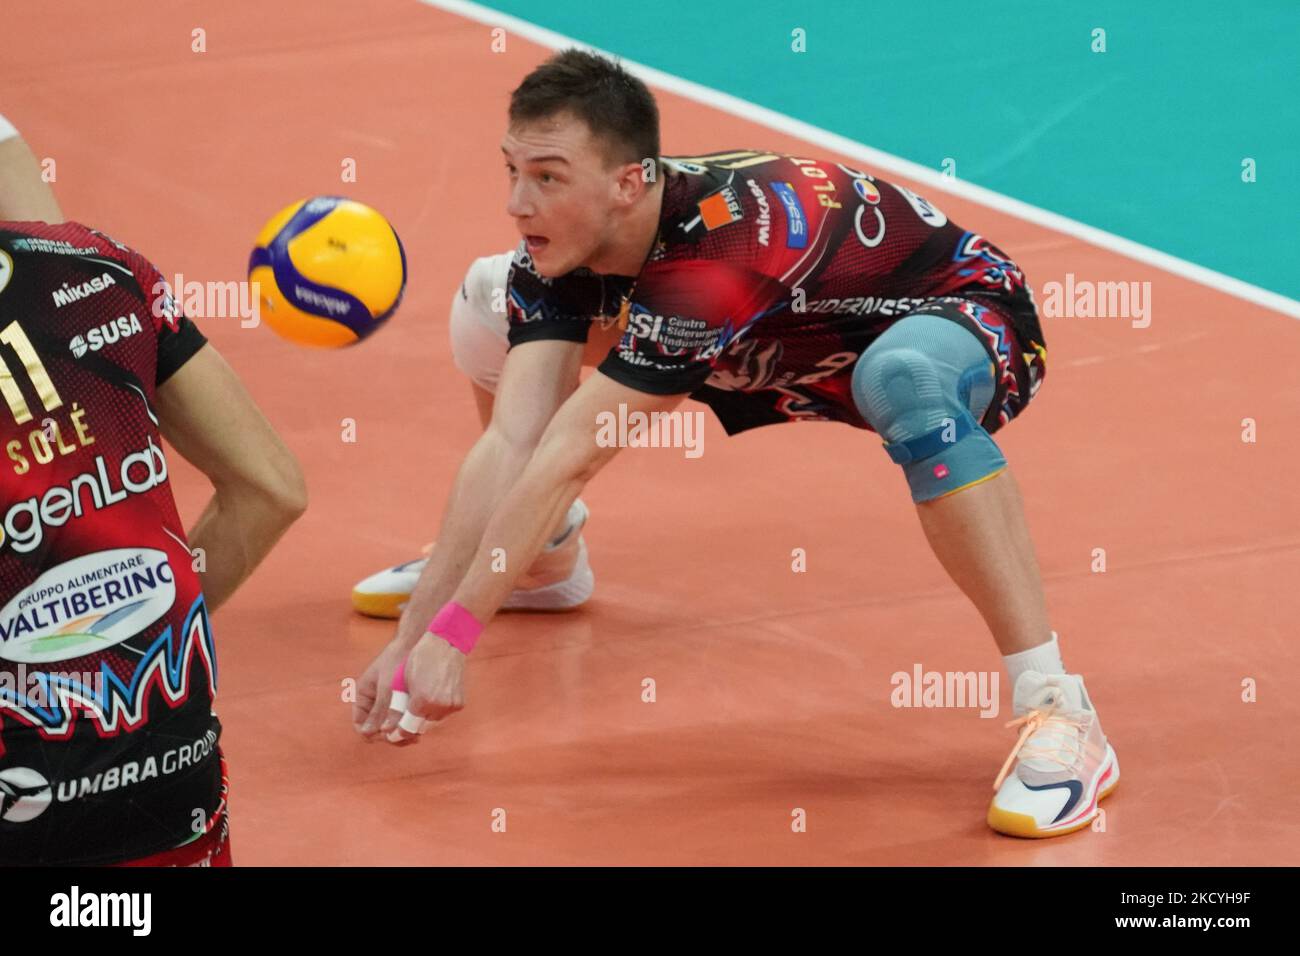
point(562, 194)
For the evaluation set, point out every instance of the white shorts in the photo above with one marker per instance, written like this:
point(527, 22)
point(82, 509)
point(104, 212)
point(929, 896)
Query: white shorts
point(478, 331)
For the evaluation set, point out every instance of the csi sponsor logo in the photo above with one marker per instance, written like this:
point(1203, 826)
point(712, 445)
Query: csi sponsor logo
point(674, 334)
point(225, 300)
point(1083, 299)
point(638, 429)
point(86, 605)
point(959, 689)
point(24, 523)
point(123, 327)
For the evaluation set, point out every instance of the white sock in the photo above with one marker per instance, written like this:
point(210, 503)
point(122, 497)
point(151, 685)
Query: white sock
point(1045, 658)
point(573, 515)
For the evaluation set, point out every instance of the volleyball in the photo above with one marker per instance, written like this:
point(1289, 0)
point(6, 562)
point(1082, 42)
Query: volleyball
point(331, 271)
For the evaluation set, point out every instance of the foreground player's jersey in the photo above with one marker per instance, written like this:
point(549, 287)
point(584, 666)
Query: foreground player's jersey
point(770, 276)
point(107, 736)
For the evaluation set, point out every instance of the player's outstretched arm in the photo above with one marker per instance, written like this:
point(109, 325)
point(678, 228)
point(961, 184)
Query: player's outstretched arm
point(535, 381)
point(23, 194)
point(567, 457)
point(258, 488)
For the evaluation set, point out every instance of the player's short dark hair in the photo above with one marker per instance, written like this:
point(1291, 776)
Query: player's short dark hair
point(617, 107)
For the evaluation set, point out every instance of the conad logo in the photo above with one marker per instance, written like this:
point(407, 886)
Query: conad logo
point(87, 604)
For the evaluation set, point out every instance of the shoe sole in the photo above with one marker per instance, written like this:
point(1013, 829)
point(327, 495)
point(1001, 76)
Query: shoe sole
point(389, 607)
point(1023, 825)
point(550, 599)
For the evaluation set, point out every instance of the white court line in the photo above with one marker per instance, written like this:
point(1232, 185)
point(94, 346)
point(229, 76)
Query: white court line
point(887, 161)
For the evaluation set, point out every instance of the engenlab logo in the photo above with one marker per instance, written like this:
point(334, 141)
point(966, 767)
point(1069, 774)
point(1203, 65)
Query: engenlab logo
point(24, 794)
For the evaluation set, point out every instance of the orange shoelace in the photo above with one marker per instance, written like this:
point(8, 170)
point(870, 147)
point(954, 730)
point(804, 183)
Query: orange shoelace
point(1030, 723)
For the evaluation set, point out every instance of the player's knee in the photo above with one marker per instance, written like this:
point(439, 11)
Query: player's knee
point(924, 386)
point(478, 334)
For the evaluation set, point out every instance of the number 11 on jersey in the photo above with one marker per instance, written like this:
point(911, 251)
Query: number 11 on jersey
point(14, 336)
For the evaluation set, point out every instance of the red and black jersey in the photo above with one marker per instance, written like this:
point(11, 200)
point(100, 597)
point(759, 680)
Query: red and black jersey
point(108, 743)
point(769, 277)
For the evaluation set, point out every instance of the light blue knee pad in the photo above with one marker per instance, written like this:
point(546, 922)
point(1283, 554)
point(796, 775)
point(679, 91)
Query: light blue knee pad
point(924, 386)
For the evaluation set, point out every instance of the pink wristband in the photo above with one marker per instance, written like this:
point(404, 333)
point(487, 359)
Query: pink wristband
point(455, 625)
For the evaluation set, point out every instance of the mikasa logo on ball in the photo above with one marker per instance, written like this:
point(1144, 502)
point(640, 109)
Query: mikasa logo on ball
point(124, 326)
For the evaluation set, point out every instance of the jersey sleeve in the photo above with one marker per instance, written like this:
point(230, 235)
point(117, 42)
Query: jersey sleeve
point(178, 337)
point(560, 308)
point(177, 348)
point(537, 306)
point(684, 316)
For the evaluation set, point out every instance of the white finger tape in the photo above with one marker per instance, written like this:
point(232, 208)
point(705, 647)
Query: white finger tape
point(399, 700)
point(412, 723)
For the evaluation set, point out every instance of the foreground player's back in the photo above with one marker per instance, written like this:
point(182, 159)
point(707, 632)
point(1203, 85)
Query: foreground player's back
point(103, 634)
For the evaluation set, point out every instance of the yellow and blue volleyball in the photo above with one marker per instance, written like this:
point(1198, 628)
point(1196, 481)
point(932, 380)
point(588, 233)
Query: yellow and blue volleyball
point(331, 271)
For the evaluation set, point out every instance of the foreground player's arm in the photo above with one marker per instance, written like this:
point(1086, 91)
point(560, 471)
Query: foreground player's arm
point(24, 195)
point(566, 458)
point(258, 489)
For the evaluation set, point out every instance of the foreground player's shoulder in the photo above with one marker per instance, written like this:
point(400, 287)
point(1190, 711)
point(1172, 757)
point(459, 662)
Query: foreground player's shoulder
point(123, 266)
point(79, 262)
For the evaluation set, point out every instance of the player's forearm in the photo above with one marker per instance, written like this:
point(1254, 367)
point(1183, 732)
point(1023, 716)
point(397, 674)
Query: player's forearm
point(519, 527)
point(235, 532)
point(486, 476)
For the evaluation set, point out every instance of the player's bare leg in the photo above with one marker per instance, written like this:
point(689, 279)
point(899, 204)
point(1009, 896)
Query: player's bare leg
point(981, 537)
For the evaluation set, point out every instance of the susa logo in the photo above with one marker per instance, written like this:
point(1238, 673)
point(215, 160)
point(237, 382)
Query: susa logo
point(124, 326)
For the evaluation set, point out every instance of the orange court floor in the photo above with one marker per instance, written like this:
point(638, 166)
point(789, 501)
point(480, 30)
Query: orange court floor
point(772, 688)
